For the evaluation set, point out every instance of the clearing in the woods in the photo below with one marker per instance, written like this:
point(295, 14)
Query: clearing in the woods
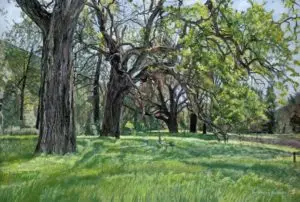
point(138, 168)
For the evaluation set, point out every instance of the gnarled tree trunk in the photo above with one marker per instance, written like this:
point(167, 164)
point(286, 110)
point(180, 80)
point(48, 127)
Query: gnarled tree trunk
point(57, 129)
point(117, 88)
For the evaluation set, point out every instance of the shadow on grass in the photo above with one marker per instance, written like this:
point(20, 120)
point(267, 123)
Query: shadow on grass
point(16, 150)
point(183, 149)
point(104, 151)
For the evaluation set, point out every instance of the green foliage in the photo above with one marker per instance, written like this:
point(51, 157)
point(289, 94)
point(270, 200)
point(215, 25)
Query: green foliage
point(15, 69)
point(230, 54)
point(137, 169)
point(83, 113)
point(129, 125)
point(237, 107)
point(20, 62)
point(223, 54)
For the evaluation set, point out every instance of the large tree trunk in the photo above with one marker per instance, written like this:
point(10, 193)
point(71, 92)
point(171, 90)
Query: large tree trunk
point(193, 123)
point(117, 87)
point(96, 96)
point(57, 128)
point(172, 125)
point(57, 131)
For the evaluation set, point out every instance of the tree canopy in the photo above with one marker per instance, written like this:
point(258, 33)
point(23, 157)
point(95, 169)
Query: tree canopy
point(158, 58)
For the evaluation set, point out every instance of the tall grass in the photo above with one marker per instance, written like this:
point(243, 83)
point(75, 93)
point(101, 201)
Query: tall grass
point(140, 169)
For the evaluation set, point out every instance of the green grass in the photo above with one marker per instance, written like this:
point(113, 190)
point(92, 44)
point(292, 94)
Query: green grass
point(139, 169)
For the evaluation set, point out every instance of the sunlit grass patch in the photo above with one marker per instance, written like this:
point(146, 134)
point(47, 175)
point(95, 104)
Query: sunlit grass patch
point(139, 169)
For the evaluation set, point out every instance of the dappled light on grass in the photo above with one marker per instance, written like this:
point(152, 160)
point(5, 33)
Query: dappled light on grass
point(139, 169)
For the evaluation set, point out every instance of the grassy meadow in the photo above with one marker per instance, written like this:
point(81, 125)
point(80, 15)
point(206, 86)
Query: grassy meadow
point(137, 168)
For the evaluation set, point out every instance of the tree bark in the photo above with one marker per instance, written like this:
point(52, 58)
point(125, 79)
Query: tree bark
point(204, 129)
point(57, 131)
point(172, 125)
point(193, 123)
point(96, 96)
point(117, 88)
point(57, 128)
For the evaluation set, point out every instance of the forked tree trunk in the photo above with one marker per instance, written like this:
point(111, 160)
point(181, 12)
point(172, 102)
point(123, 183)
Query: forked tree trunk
point(193, 123)
point(117, 87)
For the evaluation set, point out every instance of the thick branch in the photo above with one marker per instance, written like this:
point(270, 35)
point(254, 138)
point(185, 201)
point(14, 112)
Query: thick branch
point(36, 12)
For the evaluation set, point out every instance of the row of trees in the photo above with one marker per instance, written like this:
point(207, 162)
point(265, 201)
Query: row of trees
point(157, 58)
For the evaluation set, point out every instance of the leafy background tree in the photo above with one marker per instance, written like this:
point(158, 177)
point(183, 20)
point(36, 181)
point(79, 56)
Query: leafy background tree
point(22, 72)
